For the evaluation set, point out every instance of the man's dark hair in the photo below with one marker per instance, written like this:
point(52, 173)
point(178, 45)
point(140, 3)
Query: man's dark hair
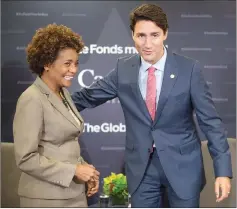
point(150, 12)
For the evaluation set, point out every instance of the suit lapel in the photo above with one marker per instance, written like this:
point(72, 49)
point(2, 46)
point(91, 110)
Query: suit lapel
point(134, 75)
point(169, 79)
point(71, 104)
point(55, 101)
point(58, 104)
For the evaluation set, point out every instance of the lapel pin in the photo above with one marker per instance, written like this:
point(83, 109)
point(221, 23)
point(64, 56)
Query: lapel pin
point(172, 76)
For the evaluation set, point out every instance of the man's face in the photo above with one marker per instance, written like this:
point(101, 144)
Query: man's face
point(149, 40)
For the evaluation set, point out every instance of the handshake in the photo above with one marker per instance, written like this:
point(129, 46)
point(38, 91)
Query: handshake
point(87, 173)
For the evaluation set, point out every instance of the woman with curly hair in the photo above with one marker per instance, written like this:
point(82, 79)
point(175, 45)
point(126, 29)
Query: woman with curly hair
point(47, 125)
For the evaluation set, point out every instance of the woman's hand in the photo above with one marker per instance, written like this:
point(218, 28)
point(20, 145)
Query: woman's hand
point(86, 172)
point(92, 187)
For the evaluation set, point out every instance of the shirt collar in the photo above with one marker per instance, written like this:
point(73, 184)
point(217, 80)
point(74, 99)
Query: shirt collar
point(160, 64)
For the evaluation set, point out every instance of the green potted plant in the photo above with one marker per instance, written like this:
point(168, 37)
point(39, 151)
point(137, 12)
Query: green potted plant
point(116, 187)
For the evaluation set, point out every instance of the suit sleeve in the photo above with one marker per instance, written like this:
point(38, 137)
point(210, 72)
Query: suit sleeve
point(98, 93)
point(210, 123)
point(27, 131)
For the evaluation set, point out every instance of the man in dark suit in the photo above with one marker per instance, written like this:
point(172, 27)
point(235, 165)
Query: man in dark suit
point(159, 91)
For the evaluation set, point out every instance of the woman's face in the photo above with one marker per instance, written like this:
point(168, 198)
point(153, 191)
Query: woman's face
point(63, 69)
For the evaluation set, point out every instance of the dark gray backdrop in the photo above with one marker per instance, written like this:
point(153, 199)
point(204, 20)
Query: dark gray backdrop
point(201, 30)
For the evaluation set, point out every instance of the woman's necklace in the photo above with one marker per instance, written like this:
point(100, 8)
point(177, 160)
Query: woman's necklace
point(64, 100)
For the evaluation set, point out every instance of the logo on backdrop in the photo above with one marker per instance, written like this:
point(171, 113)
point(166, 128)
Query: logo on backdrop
point(104, 128)
point(91, 74)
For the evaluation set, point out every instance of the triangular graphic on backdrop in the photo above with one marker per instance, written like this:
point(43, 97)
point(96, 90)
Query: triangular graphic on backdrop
point(111, 44)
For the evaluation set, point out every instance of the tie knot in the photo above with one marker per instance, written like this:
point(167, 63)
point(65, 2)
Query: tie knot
point(151, 69)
